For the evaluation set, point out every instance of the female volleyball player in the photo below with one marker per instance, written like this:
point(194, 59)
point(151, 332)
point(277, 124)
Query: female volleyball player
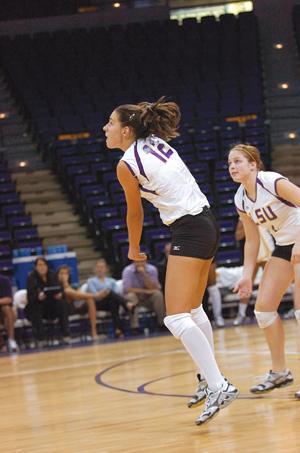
point(152, 169)
point(269, 200)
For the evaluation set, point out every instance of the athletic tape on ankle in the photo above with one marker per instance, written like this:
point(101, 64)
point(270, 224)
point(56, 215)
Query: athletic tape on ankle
point(265, 318)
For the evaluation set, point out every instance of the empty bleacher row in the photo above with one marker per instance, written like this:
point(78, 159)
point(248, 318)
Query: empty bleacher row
point(74, 79)
point(16, 229)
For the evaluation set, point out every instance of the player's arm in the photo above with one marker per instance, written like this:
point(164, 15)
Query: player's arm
point(135, 213)
point(244, 285)
point(251, 245)
point(239, 233)
point(290, 192)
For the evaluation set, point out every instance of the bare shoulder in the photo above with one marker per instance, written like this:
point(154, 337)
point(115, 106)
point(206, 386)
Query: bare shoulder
point(127, 180)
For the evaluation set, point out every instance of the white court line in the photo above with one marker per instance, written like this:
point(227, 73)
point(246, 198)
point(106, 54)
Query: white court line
point(81, 365)
point(130, 358)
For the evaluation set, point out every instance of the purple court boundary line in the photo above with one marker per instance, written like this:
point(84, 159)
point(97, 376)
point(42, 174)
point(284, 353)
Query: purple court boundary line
point(142, 391)
point(141, 388)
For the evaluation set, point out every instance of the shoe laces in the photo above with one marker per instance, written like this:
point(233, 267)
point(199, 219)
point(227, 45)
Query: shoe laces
point(271, 375)
point(211, 397)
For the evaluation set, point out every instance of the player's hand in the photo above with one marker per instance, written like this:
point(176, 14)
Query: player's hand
point(136, 255)
point(41, 296)
point(295, 254)
point(102, 294)
point(243, 287)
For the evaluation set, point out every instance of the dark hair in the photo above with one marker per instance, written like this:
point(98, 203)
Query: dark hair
point(64, 267)
point(251, 153)
point(40, 258)
point(160, 118)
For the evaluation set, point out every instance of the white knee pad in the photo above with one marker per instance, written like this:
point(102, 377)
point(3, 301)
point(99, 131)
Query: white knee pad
point(199, 315)
point(179, 323)
point(297, 316)
point(265, 318)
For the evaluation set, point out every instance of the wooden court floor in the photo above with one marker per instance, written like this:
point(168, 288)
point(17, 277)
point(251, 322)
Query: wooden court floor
point(130, 396)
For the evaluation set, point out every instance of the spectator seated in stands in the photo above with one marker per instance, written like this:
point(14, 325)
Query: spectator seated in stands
point(104, 289)
point(7, 315)
point(79, 302)
point(141, 287)
point(45, 301)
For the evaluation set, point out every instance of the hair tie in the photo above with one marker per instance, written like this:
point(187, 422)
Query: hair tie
point(131, 117)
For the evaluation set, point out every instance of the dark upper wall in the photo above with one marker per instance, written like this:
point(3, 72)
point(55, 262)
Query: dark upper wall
point(27, 9)
point(87, 20)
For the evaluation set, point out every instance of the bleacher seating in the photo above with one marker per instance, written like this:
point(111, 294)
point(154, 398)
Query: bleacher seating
point(212, 69)
point(16, 229)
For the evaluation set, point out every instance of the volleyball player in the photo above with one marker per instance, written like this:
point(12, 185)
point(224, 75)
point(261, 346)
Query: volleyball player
point(152, 169)
point(269, 200)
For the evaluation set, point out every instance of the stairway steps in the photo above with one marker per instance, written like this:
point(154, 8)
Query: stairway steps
point(75, 241)
point(52, 206)
point(41, 196)
point(40, 190)
point(61, 230)
point(55, 218)
point(86, 254)
point(40, 186)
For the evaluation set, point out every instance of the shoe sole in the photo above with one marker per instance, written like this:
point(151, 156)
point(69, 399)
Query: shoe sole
point(199, 423)
point(277, 386)
point(222, 406)
point(198, 403)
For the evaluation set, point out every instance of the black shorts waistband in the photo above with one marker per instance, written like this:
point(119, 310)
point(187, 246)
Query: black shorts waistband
point(205, 210)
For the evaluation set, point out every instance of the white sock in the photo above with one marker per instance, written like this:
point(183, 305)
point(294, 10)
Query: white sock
point(297, 315)
point(216, 300)
point(242, 309)
point(199, 349)
point(201, 320)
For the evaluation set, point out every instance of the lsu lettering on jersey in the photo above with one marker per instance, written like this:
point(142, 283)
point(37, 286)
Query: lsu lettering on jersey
point(164, 179)
point(268, 210)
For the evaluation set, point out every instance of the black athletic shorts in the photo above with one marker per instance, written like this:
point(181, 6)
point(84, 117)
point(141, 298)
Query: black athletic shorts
point(196, 236)
point(283, 251)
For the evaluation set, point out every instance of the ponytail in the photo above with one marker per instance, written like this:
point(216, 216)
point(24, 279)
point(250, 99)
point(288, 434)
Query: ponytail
point(160, 118)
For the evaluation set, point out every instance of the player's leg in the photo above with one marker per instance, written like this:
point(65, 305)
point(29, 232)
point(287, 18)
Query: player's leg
point(297, 301)
point(201, 319)
point(268, 299)
point(92, 312)
point(297, 292)
point(181, 295)
point(180, 292)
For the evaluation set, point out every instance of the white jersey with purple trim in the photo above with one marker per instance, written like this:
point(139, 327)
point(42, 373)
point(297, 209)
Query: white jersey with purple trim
point(164, 179)
point(268, 210)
